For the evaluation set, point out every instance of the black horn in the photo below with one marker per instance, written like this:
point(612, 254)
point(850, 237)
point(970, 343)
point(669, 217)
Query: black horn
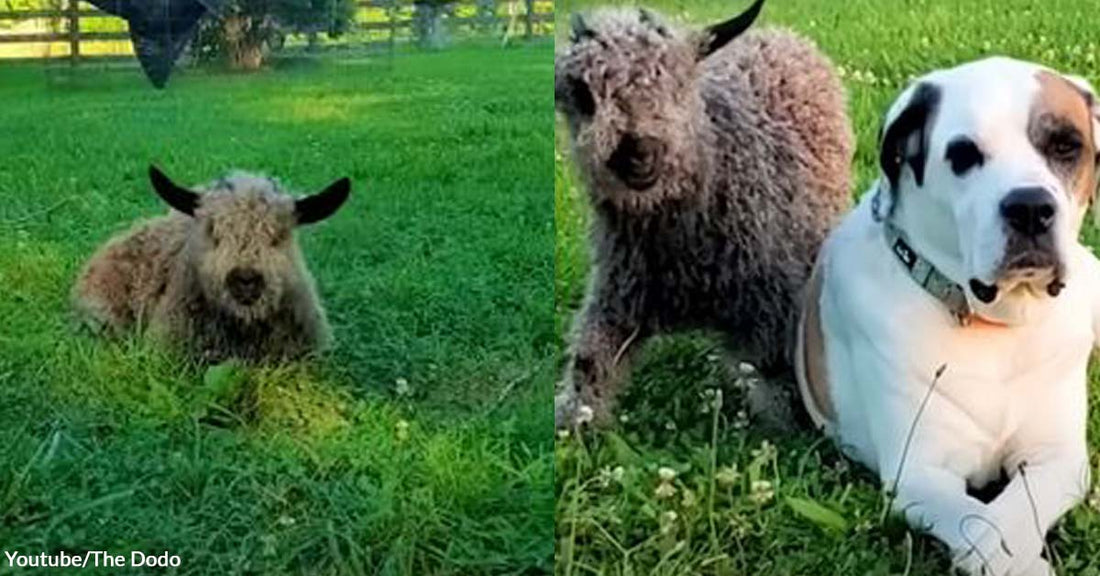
point(722, 33)
point(579, 29)
point(176, 196)
point(322, 204)
point(651, 20)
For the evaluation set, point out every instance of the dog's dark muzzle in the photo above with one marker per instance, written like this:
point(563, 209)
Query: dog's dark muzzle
point(635, 161)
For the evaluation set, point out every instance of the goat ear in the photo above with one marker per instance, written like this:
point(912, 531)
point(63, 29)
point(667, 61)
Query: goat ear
point(718, 35)
point(176, 196)
point(323, 204)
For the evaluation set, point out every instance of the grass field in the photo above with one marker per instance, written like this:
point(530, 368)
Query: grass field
point(745, 502)
point(419, 445)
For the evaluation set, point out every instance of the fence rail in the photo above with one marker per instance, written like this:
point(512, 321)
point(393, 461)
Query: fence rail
point(66, 23)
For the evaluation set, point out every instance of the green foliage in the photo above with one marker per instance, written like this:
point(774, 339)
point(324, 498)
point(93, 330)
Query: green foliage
point(436, 274)
point(331, 17)
point(252, 29)
point(825, 516)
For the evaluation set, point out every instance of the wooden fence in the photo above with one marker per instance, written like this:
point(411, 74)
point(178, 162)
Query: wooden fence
point(392, 22)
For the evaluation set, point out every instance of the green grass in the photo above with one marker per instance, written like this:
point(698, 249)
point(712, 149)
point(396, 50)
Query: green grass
point(819, 515)
point(437, 273)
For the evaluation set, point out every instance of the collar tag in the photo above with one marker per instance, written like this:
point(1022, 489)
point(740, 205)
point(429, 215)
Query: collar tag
point(927, 276)
point(905, 253)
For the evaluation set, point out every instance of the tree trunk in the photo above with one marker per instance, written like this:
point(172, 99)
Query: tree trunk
point(245, 47)
point(430, 24)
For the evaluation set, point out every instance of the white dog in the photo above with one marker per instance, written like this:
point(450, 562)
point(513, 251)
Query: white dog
point(946, 335)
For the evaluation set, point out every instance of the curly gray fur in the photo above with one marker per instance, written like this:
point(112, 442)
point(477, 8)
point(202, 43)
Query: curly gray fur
point(713, 180)
point(179, 276)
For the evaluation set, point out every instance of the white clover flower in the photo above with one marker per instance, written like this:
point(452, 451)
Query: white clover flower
point(767, 451)
point(401, 387)
point(727, 476)
point(1094, 498)
point(664, 491)
point(666, 474)
point(762, 492)
point(584, 415)
point(741, 420)
point(401, 430)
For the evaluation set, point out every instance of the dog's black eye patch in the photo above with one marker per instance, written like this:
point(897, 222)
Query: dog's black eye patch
point(582, 97)
point(963, 154)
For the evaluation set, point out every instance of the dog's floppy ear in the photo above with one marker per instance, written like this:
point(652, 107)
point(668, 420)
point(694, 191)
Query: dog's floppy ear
point(718, 35)
point(1089, 94)
point(176, 196)
point(1094, 106)
point(905, 138)
point(906, 132)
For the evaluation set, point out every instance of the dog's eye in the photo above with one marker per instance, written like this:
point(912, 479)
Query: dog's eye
point(582, 97)
point(1064, 147)
point(963, 154)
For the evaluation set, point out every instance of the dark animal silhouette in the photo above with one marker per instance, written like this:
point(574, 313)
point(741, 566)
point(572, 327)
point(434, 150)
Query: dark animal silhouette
point(160, 29)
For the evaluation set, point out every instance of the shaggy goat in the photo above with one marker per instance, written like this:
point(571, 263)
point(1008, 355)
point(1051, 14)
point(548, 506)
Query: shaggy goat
point(714, 168)
point(221, 275)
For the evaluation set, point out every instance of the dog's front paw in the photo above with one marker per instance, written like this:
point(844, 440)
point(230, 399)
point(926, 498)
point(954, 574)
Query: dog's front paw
point(987, 554)
point(998, 552)
point(1037, 567)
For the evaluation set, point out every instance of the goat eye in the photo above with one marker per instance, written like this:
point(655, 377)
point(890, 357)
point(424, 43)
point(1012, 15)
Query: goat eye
point(210, 232)
point(963, 154)
point(582, 97)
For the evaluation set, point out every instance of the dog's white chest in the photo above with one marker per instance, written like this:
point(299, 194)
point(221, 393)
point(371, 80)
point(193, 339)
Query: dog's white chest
point(995, 378)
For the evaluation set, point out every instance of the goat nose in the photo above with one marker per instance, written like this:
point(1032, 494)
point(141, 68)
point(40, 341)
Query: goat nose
point(1029, 211)
point(635, 160)
point(245, 284)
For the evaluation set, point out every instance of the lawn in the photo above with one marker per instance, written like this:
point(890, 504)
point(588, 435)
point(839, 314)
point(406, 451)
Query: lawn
point(420, 444)
point(738, 500)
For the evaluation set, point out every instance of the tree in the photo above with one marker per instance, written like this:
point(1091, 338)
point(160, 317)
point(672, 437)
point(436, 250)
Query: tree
point(430, 22)
point(251, 29)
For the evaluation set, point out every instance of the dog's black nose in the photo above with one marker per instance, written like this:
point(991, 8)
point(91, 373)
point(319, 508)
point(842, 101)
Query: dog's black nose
point(1029, 211)
point(635, 160)
point(245, 284)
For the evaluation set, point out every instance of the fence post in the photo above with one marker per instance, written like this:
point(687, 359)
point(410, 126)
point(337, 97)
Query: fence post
point(74, 32)
point(530, 21)
point(392, 13)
